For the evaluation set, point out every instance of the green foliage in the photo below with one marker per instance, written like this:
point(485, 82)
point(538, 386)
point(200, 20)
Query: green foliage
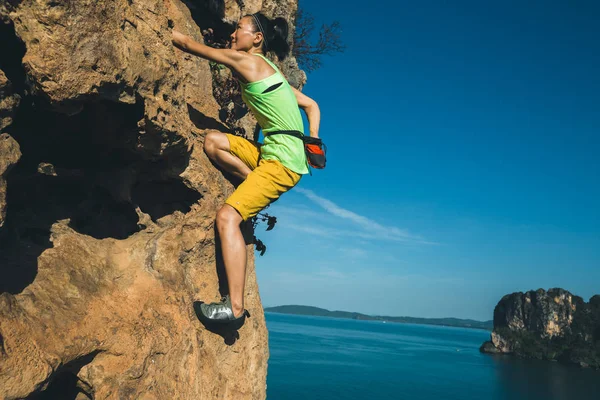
point(216, 66)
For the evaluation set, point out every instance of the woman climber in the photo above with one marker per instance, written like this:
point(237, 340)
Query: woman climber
point(267, 170)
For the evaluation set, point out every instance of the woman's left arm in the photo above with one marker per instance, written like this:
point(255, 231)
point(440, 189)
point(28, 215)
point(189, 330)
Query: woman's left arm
point(311, 108)
point(228, 57)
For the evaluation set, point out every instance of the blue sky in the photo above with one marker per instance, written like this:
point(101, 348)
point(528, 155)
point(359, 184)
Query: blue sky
point(463, 161)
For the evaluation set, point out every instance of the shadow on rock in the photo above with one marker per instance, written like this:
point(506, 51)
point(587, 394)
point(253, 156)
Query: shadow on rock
point(35, 203)
point(82, 168)
point(228, 331)
point(202, 121)
point(162, 198)
point(64, 384)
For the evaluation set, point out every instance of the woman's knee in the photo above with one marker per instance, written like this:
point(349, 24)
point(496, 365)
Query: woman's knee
point(215, 141)
point(227, 216)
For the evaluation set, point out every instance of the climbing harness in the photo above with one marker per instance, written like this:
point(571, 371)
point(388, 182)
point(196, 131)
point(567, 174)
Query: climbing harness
point(314, 148)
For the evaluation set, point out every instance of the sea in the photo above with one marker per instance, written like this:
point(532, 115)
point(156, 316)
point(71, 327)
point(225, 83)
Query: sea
point(327, 358)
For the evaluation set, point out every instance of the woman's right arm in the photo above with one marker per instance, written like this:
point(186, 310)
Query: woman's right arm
point(228, 57)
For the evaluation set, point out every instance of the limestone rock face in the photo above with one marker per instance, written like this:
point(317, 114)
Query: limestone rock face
point(501, 344)
point(9, 155)
point(107, 232)
point(489, 347)
point(553, 324)
point(9, 102)
point(546, 314)
point(9, 148)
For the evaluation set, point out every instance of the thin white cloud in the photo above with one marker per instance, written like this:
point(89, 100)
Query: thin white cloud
point(339, 233)
point(353, 252)
point(299, 212)
point(370, 228)
point(332, 273)
point(366, 277)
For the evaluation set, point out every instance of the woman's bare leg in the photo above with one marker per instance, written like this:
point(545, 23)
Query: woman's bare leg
point(233, 248)
point(216, 147)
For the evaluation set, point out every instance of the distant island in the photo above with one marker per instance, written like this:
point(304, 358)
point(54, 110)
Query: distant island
point(547, 325)
point(321, 312)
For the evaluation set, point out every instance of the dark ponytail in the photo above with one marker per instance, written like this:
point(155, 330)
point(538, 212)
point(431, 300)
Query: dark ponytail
point(275, 32)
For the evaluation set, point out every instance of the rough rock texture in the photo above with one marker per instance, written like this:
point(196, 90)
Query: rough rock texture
point(553, 325)
point(9, 148)
point(488, 347)
point(500, 344)
point(109, 236)
point(9, 101)
point(9, 155)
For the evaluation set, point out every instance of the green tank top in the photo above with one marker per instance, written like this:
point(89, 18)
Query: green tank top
point(277, 110)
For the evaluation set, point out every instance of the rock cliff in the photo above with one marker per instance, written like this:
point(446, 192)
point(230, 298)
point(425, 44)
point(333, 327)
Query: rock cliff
point(550, 325)
point(107, 202)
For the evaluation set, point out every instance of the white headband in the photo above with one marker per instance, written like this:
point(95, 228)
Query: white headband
point(261, 29)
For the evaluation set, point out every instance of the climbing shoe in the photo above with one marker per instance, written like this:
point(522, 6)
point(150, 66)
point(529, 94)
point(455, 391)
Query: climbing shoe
point(219, 313)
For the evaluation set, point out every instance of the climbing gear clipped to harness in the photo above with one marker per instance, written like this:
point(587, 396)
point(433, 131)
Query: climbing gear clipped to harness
point(314, 148)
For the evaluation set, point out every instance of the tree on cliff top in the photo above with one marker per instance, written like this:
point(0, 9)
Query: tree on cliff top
point(309, 53)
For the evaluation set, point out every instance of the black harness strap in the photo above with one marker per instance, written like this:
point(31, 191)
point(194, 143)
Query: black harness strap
point(297, 134)
point(314, 148)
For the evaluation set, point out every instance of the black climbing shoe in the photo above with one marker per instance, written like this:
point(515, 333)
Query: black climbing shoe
point(219, 313)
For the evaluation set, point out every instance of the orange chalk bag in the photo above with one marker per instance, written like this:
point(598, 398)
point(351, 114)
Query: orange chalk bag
point(315, 149)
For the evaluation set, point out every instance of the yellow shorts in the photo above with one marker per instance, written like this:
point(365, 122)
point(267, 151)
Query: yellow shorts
point(268, 180)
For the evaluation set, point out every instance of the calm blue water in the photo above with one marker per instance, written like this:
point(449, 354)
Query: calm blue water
point(325, 358)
